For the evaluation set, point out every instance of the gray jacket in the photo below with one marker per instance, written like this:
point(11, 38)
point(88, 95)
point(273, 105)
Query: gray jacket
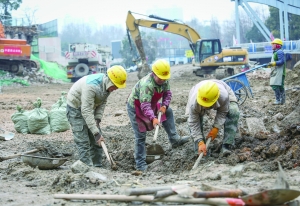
point(90, 95)
point(195, 110)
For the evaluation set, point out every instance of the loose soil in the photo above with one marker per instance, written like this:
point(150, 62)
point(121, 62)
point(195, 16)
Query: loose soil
point(252, 166)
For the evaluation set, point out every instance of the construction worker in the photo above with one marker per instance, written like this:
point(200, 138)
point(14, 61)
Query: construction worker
point(277, 75)
point(217, 95)
point(143, 108)
point(86, 101)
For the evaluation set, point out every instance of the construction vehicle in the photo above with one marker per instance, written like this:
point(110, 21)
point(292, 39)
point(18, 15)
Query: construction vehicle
point(15, 53)
point(209, 56)
point(84, 59)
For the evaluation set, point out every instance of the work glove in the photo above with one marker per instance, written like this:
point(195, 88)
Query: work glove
point(98, 122)
point(202, 148)
point(98, 138)
point(155, 122)
point(213, 133)
point(272, 64)
point(162, 109)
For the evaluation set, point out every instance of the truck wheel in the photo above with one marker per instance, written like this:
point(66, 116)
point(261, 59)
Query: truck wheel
point(81, 69)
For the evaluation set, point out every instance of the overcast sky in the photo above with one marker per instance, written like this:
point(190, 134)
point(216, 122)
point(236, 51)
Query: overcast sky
point(114, 11)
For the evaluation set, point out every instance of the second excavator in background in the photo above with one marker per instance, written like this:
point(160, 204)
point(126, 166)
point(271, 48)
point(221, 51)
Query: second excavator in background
point(209, 56)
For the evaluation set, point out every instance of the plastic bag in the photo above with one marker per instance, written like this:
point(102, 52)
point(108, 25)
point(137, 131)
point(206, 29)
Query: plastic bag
point(38, 122)
point(58, 116)
point(20, 119)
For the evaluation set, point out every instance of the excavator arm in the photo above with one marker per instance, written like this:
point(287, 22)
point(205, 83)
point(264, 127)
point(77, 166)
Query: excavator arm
point(161, 24)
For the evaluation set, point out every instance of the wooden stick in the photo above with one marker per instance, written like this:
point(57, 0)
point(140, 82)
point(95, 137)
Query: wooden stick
point(146, 191)
point(109, 158)
point(150, 198)
point(201, 155)
point(164, 193)
point(17, 155)
point(156, 128)
point(211, 194)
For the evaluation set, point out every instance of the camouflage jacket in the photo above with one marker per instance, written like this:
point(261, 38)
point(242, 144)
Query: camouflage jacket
point(144, 90)
point(90, 95)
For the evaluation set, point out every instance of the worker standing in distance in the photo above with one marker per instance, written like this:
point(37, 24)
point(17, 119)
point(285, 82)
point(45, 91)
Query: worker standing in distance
point(86, 101)
point(277, 75)
point(143, 108)
point(217, 95)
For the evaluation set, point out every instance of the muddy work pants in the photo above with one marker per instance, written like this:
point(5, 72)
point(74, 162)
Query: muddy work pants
point(89, 151)
point(140, 137)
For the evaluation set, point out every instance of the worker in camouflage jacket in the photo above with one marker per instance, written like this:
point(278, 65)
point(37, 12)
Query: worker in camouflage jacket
point(86, 101)
point(217, 95)
point(277, 75)
point(143, 108)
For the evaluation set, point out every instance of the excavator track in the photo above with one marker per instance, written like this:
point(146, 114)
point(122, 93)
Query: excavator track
point(17, 66)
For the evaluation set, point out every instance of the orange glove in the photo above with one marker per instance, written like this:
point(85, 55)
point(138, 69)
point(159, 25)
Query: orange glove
point(155, 122)
point(201, 148)
point(162, 109)
point(213, 133)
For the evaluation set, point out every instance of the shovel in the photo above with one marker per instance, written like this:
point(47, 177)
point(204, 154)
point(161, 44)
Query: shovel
point(271, 197)
point(5, 135)
point(109, 158)
point(201, 155)
point(155, 151)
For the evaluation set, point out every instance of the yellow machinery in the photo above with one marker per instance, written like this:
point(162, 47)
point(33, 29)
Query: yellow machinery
point(209, 57)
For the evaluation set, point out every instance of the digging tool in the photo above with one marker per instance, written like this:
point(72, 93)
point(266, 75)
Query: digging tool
point(5, 135)
point(271, 197)
point(211, 194)
point(201, 155)
point(109, 158)
point(155, 151)
point(17, 155)
point(150, 198)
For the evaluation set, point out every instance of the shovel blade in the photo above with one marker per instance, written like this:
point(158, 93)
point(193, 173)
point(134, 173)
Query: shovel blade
point(154, 152)
point(5, 135)
point(271, 197)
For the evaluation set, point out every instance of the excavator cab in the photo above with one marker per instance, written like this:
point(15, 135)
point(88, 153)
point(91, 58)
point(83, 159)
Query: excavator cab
point(206, 48)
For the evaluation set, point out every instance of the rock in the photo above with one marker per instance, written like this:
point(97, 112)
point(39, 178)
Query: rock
point(79, 167)
point(278, 116)
point(292, 118)
point(181, 119)
point(119, 113)
point(237, 171)
point(94, 176)
point(255, 125)
point(215, 177)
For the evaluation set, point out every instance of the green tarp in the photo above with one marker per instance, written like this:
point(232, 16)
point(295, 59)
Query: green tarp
point(50, 69)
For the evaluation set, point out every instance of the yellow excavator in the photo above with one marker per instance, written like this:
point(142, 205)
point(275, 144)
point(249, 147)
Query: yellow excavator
point(209, 56)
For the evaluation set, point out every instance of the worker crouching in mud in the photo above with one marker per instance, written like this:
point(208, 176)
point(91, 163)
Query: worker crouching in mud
point(143, 108)
point(217, 95)
point(86, 101)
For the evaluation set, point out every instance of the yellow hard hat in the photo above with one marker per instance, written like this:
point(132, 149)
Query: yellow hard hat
point(208, 93)
point(162, 69)
point(117, 75)
point(277, 41)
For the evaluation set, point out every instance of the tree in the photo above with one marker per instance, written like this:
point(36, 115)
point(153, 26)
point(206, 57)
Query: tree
point(7, 6)
point(149, 45)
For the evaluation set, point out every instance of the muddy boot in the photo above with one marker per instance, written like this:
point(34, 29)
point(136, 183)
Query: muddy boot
point(226, 150)
point(282, 96)
point(180, 142)
point(277, 97)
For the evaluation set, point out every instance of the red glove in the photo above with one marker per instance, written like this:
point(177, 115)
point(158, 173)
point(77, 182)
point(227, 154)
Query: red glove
point(213, 133)
point(201, 148)
point(162, 109)
point(155, 122)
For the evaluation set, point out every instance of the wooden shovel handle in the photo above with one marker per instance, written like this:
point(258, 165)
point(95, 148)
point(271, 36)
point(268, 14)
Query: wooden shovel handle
point(17, 155)
point(156, 128)
point(106, 153)
point(201, 155)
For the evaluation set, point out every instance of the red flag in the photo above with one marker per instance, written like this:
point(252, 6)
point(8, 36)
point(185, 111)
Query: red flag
point(272, 37)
